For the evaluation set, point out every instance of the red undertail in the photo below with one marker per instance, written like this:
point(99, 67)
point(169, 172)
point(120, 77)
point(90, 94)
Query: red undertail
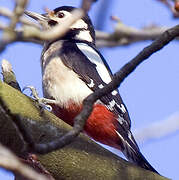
point(101, 124)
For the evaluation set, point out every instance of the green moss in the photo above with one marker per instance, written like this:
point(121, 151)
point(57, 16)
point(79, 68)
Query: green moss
point(82, 159)
point(17, 102)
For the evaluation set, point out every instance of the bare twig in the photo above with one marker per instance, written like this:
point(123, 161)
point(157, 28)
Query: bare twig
point(35, 33)
point(18, 11)
point(7, 13)
point(80, 120)
point(9, 34)
point(125, 35)
point(10, 162)
point(86, 5)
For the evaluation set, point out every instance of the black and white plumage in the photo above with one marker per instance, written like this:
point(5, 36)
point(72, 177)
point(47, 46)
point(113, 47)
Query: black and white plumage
point(72, 68)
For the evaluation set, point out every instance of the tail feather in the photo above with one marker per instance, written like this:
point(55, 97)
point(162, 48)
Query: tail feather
point(132, 152)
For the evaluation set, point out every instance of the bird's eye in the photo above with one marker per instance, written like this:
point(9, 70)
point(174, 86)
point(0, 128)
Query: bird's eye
point(61, 15)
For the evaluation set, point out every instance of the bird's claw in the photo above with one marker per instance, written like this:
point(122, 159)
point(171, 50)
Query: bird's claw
point(34, 92)
point(43, 102)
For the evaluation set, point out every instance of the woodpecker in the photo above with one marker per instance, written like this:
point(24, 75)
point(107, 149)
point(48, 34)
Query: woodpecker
point(73, 68)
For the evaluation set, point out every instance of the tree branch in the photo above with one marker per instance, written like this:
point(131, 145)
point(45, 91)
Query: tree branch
point(82, 159)
point(31, 32)
point(10, 162)
point(17, 13)
point(7, 13)
point(122, 35)
point(125, 35)
point(8, 75)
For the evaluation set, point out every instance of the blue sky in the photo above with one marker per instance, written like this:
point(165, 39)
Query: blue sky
point(150, 93)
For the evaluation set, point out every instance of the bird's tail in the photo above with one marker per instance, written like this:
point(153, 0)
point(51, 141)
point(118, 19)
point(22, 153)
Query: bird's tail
point(132, 152)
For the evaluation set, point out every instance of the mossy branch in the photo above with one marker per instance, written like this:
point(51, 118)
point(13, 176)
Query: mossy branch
point(82, 159)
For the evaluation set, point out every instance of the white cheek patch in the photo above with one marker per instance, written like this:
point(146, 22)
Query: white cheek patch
point(94, 57)
point(80, 24)
point(84, 35)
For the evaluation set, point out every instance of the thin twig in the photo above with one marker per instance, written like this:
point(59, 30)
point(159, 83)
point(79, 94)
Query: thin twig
point(24, 20)
point(9, 34)
point(18, 11)
point(34, 33)
point(10, 162)
point(125, 35)
point(86, 5)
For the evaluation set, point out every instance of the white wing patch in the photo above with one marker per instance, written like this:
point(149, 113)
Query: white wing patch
point(111, 105)
point(94, 57)
point(123, 140)
point(121, 107)
point(91, 84)
point(120, 120)
point(100, 86)
point(114, 93)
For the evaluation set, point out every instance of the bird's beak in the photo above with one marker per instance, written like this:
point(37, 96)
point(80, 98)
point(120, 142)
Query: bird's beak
point(42, 19)
point(36, 16)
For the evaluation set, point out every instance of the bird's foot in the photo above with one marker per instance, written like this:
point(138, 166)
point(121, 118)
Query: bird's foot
point(43, 102)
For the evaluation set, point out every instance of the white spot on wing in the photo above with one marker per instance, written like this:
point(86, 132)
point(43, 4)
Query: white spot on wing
point(123, 140)
point(120, 119)
point(91, 83)
point(121, 107)
point(114, 93)
point(100, 86)
point(129, 151)
point(94, 57)
point(130, 136)
point(111, 105)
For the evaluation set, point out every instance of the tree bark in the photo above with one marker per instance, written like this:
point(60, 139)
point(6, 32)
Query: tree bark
point(82, 159)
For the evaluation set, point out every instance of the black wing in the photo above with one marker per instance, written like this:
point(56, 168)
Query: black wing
point(88, 71)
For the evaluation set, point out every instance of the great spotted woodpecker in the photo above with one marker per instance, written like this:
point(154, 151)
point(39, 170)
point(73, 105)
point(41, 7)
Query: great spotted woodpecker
point(72, 68)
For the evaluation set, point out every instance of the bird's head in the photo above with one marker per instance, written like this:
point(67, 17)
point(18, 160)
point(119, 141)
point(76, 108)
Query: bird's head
point(81, 30)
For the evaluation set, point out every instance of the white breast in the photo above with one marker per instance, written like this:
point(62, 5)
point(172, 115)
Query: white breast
point(63, 84)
